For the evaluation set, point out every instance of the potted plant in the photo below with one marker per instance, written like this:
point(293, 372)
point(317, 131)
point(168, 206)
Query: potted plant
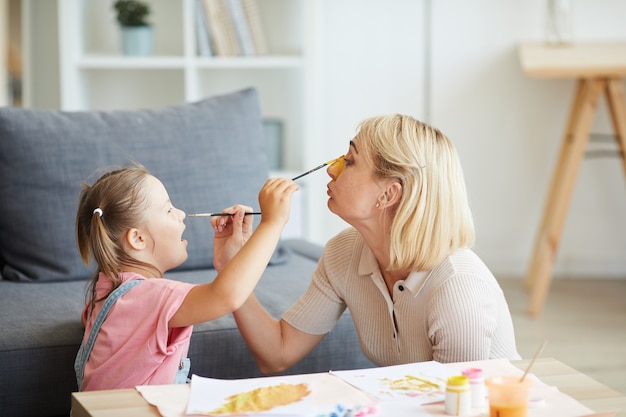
point(136, 31)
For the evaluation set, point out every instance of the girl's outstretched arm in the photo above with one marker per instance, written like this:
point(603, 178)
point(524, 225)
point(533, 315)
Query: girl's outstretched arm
point(236, 281)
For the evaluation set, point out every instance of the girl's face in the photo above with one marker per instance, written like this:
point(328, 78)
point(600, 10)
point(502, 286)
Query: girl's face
point(163, 228)
point(353, 190)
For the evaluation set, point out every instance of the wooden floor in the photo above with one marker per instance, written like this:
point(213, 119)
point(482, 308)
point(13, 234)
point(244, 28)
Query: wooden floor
point(584, 322)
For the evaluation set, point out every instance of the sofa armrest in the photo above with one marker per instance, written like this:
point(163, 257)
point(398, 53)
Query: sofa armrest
point(305, 248)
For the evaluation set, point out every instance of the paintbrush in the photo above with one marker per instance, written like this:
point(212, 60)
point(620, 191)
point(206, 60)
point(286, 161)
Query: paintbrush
point(254, 213)
point(532, 361)
point(314, 169)
point(248, 213)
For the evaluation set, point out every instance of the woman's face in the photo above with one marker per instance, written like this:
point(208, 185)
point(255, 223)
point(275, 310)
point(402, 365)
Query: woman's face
point(353, 191)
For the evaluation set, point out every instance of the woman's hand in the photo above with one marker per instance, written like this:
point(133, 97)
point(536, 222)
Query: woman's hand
point(231, 232)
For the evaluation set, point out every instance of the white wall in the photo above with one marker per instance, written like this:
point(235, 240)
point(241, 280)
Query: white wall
point(508, 129)
point(454, 64)
point(372, 62)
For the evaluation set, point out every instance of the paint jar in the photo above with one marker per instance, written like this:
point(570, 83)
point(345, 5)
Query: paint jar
point(477, 386)
point(458, 399)
point(508, 396)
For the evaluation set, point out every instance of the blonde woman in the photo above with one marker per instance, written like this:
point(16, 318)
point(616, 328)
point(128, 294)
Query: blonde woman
point(405, 269)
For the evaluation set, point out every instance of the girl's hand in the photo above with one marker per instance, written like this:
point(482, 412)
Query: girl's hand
point(231, 233)
point(275, 200)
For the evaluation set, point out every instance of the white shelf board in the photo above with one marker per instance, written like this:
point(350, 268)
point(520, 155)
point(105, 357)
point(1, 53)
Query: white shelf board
point(93, 61)
point(255, 62)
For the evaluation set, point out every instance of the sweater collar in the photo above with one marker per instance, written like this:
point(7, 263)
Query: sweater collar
point(368, 267)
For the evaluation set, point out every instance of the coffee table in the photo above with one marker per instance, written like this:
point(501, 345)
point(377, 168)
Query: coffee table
point(590, 393)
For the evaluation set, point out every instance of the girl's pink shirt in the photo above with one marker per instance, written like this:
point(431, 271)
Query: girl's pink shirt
point(134, 345)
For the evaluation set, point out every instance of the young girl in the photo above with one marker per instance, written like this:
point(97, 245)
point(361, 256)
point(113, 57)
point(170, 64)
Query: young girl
point(127, 222)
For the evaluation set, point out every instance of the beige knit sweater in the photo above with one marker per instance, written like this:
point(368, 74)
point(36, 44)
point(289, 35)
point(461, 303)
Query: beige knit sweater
point(454, 313)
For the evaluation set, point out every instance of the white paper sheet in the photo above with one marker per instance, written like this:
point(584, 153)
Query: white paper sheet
point(421, 383)
point(170, 400)
point(313, 395)
point(328, 390)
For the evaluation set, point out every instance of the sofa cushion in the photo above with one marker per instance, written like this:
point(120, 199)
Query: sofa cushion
point(209, 155)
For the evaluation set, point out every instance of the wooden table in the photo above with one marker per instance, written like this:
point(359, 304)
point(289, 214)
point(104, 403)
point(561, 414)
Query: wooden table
point(577, 385)
point(599, 68)
point(592, 394)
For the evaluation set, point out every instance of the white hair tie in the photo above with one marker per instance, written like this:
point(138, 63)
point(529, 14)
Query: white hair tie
point(98, 210)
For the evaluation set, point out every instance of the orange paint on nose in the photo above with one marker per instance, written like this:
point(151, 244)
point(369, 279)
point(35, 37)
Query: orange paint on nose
point(336, 167)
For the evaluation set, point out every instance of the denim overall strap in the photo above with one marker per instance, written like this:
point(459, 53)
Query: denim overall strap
point(85, 350)
point(183, 371)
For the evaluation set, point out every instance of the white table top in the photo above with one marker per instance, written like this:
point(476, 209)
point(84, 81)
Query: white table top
point(606, 59)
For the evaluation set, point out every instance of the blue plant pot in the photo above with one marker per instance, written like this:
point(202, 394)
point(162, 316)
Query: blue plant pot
point(137, 40)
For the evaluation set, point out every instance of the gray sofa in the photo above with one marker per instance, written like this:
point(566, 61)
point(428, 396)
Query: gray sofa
point(209, 155)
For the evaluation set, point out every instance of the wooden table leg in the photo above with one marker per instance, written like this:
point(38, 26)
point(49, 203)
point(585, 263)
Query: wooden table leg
point(577, 105)
point(571, 155)
point(617, 110)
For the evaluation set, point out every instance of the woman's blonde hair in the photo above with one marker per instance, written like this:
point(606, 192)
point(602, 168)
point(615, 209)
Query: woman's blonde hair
point(108, 209)
point(432, 218)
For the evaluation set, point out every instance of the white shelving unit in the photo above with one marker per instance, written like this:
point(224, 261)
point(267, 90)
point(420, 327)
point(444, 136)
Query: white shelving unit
point(96, 76)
